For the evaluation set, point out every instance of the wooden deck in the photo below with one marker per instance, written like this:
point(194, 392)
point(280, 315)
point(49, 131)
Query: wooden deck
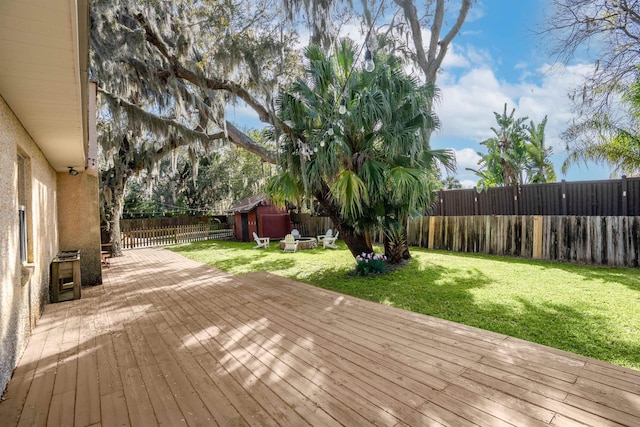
point(169, 341)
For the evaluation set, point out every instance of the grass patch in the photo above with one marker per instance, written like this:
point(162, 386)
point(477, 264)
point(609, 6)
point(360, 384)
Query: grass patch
point(593, 311)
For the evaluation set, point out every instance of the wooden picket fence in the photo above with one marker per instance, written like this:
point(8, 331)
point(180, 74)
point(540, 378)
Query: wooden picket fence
point(161, 236)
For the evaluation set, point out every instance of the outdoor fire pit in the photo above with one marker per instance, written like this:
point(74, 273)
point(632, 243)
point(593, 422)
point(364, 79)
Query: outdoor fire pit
point(303, 243)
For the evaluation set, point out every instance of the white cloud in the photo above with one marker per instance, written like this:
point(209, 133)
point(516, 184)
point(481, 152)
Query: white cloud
point(466, 105)
point(455, 59)
point(468, 101)
point(468, 183)
point(466, 158)
point(470, 96)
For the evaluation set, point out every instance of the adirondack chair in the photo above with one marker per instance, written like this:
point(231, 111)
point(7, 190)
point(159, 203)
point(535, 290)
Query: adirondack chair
point(295, 233)
point(290, 243)
point(263, 242)
point(330, 242)
point(329, 234)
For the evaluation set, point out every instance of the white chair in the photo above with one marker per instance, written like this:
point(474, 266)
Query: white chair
point(263, 242)
point(295, 233)
point(290, 243)
point(329, 233)
point(330, 242)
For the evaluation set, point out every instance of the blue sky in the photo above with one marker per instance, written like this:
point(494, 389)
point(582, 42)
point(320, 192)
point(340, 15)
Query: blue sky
point(498, 59)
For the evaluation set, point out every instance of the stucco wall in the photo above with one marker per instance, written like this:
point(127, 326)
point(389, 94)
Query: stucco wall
point(79, 222)
point(23, 290)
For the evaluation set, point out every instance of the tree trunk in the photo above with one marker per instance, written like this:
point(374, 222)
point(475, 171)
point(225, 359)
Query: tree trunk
point(396, 247)
point(396, 251)
point(357, 242)
point(112, 184)
point(115, 236)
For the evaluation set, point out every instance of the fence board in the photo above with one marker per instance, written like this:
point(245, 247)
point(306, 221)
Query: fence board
point(147, 237)
point(602, 240)
point(614, 197)
point(598, 240)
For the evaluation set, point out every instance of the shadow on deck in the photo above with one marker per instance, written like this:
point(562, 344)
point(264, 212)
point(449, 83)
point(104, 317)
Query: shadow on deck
point(167, 340)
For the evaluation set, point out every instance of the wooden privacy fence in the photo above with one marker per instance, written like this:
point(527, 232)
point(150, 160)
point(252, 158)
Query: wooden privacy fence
point(597, 240)
point(600, 240)
point(145, 237)
point(311, 225)
point(612, 197)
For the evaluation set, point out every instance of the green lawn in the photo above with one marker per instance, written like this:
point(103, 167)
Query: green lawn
point(592, 311)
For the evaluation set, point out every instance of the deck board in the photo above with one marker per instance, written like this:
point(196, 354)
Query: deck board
point(166, 340)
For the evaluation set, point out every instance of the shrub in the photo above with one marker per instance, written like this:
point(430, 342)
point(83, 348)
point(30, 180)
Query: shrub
point(371, 263)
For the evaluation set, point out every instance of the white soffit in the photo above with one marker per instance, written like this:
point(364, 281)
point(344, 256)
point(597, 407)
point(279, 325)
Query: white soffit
point(40, 75)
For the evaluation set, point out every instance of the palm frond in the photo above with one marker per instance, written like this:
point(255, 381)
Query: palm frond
point(351, 192)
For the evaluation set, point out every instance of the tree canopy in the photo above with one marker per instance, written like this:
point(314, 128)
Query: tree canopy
point(168, 71)
point(605, 131)
point(610, 30)
point(607, 141)
point(370, 165)
point(517, 154)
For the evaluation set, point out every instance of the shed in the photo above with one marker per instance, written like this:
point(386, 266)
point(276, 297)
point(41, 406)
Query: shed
point(258, 214)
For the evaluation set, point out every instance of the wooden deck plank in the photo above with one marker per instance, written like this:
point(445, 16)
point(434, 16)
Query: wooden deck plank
point(113, 407)
point(377, 362)
point(16, 393)
point(87, 399)
point(353, 378)
point(314, 415)
point(139, 405)
point(322, 373)
point(62, 409)
point(169, 341)
point(401, 336)
point(266, 357)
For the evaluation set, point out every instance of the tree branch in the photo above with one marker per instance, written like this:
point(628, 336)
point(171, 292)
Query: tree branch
point(180, 71)
point(411, 15)
point(435, 64)
point(236, 136)
point(431, 60)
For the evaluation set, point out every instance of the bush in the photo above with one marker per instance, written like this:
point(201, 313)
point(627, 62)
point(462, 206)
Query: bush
point(371, 263)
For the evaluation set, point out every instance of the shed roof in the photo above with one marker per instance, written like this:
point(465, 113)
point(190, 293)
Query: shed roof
point(248, 203)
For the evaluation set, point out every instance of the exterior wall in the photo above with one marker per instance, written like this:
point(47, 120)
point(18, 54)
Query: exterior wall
point(24, 289)
point(238, 226)
point(79, 222)
point(273, 221)
point(253, 224)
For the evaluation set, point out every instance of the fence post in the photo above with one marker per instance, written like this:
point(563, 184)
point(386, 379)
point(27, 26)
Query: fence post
point(475, 201)
point(432, 231)
point(563, 187)
point(625, 198)
point(515, 199)
point(537, 237)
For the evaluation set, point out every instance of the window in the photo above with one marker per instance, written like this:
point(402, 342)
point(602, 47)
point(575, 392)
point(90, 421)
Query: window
point(22, 209)
point(23, 233)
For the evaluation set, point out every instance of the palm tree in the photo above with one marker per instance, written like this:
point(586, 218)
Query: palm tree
point(605, 140)
point(539, 167)
point(606, 143)
point(516, 154)
point(369, 168)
